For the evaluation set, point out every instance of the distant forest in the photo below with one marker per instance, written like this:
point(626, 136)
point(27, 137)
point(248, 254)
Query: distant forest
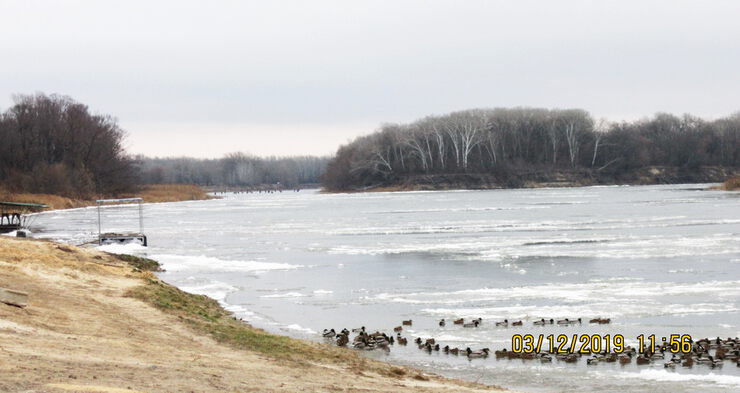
point(234, 170)
point(506, 143)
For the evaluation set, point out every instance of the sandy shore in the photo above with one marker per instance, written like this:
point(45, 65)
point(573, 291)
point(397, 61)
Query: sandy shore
point(95, 324)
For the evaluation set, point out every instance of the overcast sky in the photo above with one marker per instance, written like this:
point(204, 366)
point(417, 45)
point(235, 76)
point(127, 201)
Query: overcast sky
point(302, 77)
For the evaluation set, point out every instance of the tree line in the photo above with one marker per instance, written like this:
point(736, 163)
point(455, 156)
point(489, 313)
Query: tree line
point(504, 142)
point(233, 170)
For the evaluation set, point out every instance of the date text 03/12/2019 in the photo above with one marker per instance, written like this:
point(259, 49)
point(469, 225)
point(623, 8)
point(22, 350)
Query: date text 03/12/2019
point(592, 343)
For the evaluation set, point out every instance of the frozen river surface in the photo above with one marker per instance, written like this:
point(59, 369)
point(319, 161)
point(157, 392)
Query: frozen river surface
point(655, 259)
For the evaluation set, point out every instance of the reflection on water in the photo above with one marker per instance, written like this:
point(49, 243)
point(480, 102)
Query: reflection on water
point(655, 259)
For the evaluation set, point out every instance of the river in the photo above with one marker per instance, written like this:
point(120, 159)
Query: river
point(655, 259)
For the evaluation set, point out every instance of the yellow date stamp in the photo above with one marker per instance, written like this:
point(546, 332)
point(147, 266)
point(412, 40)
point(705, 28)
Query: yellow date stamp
point(588, 343)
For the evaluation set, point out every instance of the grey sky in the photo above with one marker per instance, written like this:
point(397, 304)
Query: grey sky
point(290, 77)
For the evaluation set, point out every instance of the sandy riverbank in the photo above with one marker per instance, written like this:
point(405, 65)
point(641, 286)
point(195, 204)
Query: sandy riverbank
point(96, 324)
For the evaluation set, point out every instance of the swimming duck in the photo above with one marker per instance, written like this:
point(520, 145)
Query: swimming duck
point(571, 358)
point(505, 322)
point(398, 329)
point(567, 321)
point(402, 341)
point(517, 323)
point(329, 333)
point(455, 351)
point(642, 360)
point(459, 321)
point(442, 322)
point(473, 324)
point(407, 323)
point(483, 353)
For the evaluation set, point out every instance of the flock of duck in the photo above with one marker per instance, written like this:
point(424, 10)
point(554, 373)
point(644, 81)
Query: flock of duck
point(708, 352)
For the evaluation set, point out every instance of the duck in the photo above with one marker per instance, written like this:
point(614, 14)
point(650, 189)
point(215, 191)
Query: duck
point(517, 323)
point(402, 341)
point(359, 330)
point(446, 349)
point(459, 321)
point(567, 321)
point(710, 361)
point(545, 358)
point(329, 333)
point(473, 324)
point(505, 322)
point(342, 340)
point(398, 329)
point(592, 360)
point(625, 359)
point(442, 322)
point(455, 351)
point(642, 360)
point(418, 340)
point(571, 358)
point(544, 321)
point(407, 323)
point(600, 321)
point(483, 353)
point(688, 362)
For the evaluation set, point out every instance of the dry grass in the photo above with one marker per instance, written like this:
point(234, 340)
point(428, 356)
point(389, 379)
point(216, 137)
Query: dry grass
point(151, 194)
point(732, 184)
point(54, 201)
point(172, 193)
